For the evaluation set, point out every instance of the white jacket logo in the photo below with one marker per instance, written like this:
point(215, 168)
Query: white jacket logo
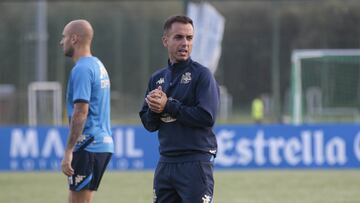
point(160, 81)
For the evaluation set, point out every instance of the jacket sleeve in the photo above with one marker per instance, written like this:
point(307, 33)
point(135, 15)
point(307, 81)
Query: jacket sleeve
point(203, 114)
point(149, 119)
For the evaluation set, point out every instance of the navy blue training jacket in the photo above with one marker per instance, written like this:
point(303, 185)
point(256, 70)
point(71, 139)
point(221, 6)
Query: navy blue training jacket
point(185, 125)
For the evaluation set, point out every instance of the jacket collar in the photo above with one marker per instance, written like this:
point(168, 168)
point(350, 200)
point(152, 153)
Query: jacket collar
point(180, 65)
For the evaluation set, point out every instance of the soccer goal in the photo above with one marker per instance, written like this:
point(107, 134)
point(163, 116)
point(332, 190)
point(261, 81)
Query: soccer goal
point(44, 103)
point(325, 85)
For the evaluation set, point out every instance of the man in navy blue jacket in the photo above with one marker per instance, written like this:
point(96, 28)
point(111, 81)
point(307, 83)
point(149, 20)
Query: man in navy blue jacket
point(181, 102)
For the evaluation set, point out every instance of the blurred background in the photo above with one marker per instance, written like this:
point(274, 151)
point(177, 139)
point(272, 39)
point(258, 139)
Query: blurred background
point(257, 45)
point(278, 63)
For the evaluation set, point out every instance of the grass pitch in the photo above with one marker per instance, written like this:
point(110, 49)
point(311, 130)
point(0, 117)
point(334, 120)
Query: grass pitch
point(258, 186)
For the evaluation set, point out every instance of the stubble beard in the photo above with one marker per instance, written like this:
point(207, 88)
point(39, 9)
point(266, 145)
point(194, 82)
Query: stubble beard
point(69, 52)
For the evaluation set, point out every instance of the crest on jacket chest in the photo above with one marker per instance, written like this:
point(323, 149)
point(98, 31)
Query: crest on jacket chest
point(185, 78)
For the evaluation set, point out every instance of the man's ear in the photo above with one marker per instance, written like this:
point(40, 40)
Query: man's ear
point(73, 39)
point(164, 40)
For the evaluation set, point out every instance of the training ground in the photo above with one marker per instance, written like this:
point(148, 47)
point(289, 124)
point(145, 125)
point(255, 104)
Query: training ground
point(242, 186)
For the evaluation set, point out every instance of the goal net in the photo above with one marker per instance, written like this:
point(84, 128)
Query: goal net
point(325, 85)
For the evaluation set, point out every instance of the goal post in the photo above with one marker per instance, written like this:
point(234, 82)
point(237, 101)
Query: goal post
point(318, 78)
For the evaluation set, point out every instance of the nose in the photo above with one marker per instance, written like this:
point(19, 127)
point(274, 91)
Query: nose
point(61, 42)
point(185, 41)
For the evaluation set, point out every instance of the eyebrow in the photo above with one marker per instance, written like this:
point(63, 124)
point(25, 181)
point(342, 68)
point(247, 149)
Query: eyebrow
point(184, 35)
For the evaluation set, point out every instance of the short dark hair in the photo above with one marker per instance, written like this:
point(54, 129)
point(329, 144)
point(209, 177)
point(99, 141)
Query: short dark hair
point(176, 19)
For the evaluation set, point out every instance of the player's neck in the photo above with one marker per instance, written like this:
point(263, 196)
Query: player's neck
point(84, 52)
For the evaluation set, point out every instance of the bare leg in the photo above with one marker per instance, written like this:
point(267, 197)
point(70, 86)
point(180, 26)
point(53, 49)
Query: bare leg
point(83, 196)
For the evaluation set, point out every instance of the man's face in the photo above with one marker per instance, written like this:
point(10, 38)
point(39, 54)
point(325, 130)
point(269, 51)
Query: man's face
point(178, 40)
point(66, 42)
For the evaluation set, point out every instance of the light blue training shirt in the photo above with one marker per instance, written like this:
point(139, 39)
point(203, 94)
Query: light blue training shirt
point(89, 82)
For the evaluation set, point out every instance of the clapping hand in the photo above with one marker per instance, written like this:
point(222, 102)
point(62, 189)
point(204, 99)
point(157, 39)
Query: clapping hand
point(156, 100)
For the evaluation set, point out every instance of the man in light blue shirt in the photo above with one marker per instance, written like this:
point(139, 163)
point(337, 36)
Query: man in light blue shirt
point(90, 145)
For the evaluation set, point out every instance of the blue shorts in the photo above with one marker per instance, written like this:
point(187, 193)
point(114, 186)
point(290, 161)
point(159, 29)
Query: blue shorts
point(89, 168)
point(185, 181)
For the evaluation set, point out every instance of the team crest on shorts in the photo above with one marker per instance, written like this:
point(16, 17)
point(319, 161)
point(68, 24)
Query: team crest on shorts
point(185, 78)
